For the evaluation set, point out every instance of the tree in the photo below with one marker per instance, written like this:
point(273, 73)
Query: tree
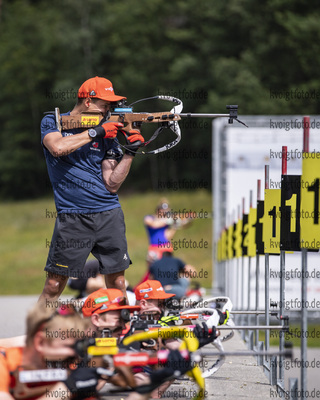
point(258, 55)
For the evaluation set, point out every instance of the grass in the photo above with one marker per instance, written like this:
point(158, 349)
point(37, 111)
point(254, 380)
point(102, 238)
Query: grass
point(27, 228)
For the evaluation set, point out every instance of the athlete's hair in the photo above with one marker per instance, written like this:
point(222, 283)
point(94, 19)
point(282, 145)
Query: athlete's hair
point(56, 320)
point(163, 204)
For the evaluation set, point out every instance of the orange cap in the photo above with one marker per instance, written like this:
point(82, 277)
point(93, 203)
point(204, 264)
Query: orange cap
point(151, 290)
point(99, 88)
point(104, 300)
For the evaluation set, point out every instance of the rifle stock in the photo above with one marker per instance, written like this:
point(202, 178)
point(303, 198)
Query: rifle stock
point(129, 119)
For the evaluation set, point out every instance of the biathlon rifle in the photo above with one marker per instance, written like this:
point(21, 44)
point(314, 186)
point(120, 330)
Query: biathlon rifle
point(30, 384)
point(176, 317)
point(133, 120)
point(103, 354)
point(119, 358)
point(115, 360)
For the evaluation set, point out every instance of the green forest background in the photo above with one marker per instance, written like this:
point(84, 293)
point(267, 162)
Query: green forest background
point(261, 55)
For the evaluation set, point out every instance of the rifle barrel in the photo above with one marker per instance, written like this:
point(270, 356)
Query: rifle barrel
point(192, 115)
point(286, 353)
point(253, 312)
point(252, 327)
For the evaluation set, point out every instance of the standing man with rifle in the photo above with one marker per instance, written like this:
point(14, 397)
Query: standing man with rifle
point(86, 168)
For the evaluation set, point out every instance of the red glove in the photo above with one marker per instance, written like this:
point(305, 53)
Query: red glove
point(134, 141)
point(108, 130)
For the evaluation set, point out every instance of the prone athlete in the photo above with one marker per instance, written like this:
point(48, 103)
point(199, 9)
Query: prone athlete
point(105, 308)
point(48, 345)
point(152, 298)
point(51, 350)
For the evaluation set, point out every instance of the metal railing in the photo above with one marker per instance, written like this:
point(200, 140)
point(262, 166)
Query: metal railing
point(233, 277)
